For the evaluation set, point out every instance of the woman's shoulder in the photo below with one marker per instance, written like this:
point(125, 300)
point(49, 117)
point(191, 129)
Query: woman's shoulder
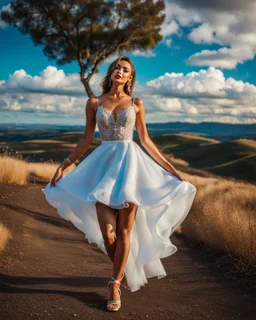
point(98, 98)
point(139, 102)
point(93, 99)
point(92, 103)
point(136, 99)
point(138, 105)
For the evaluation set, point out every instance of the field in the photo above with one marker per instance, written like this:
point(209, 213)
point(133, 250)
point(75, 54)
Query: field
point(221, 226)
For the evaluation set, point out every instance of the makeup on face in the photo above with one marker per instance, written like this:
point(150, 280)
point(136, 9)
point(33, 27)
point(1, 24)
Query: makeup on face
point(126, 71)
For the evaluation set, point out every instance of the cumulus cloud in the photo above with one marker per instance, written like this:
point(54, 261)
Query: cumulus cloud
point(168, 28)
point(226, 58)
point(50, 81)
point(230, 24)
point(206, 93)
point(210, 83)
point(51, 92)
point(196, 96)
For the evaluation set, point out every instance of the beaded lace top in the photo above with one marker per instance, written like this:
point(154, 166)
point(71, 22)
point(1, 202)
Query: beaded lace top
point(121, 128)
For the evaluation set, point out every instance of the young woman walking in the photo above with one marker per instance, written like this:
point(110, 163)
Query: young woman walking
point(122, 199)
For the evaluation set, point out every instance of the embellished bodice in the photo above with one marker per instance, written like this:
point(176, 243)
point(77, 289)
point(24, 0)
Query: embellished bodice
point(121, 128)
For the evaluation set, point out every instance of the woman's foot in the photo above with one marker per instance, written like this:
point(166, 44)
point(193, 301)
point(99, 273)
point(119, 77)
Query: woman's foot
point(114, 293)
point(114, 296)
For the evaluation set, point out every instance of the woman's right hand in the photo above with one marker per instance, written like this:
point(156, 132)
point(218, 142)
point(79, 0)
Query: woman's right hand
point(57, 176)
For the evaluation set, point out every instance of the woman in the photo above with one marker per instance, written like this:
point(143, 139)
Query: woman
point(123, 200)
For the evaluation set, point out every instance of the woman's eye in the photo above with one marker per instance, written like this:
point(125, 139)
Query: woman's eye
point(125, 70)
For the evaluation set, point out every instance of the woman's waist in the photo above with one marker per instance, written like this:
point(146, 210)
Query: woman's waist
point(117, 141)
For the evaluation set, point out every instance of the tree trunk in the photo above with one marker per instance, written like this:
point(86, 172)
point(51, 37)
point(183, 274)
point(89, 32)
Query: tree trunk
point(85, 81)
point(87, 87)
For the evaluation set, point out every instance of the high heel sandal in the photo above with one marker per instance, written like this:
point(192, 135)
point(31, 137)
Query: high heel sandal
point(118, 302)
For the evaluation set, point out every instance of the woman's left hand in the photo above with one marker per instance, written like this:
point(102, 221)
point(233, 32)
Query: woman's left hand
point(178, 175)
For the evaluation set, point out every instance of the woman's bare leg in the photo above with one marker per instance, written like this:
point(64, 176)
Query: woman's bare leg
point(125, 222)
point(107, 221)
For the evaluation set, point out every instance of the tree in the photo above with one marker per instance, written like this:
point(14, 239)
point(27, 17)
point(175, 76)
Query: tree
point(88, 31)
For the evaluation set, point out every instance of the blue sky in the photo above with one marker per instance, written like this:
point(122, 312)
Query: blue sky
point(18, 52)
point(203, 54)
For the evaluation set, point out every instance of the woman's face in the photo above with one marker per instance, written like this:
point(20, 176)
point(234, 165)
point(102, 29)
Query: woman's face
point(122, 72)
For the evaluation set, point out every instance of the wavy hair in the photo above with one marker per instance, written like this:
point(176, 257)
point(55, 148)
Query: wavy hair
point(105, 87)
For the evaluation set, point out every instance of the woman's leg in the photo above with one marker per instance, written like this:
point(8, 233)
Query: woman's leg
point(107, 221)
point(126, 218)
point(125, 222)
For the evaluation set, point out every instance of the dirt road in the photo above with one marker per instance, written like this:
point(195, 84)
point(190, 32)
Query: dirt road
point(49, 271)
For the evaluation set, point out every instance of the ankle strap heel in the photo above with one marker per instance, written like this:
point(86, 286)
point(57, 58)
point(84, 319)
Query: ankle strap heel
point(117, 302)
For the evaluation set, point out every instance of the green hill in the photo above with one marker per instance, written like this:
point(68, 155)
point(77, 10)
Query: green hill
point(236, 158)
point(171, 143)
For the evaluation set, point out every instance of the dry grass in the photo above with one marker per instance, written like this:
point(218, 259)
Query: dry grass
point(13, 171)
point(5, 235)
point(46, 170)
point(223, 215)
point(248, 142)
point(16, 171)
point(191, 137)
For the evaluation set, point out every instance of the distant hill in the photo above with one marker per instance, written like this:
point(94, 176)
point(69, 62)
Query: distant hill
point(217, 130)
point(214, 130)
point(236, 158)
point(179, 142)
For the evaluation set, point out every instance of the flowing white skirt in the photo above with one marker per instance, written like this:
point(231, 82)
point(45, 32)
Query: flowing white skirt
point(115, 173)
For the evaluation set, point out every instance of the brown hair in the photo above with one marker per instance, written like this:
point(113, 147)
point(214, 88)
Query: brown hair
point(105, 82)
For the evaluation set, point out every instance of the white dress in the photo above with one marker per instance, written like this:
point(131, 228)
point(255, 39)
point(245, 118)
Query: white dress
point(118, 171)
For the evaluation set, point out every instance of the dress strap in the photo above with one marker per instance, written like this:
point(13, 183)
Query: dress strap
point(133, 101)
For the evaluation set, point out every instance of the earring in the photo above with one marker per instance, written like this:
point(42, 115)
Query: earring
point(129, 86)
point(109, 82)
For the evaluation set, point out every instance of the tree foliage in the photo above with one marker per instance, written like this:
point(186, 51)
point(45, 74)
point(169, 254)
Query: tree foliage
point(88, 31)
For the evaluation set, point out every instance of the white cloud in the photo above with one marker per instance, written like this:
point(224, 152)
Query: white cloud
point(228, 119)
point(168, 42)
point(51, 92)
point(169, 27)
point(230, 24)
point(196, 96)
point(203, 34)
point(50, 81)
point(146, 54)
point(226, 58)
point(205, 93)
point(209, 82)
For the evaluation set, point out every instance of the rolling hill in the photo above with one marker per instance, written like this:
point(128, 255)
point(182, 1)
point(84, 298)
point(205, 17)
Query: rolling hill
point(235, 158)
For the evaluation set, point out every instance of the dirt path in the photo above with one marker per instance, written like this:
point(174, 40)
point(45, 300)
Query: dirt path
point(48, 271)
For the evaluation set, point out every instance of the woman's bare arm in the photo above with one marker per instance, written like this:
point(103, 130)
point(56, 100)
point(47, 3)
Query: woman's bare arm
point(146, 142)
point(86, 141)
